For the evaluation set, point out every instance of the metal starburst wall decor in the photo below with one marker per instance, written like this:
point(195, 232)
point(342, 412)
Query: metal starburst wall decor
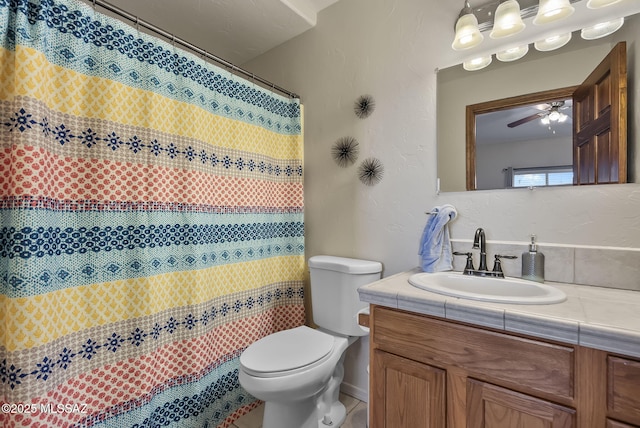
point(345, 151)
point(364, 106)
point(370, 171)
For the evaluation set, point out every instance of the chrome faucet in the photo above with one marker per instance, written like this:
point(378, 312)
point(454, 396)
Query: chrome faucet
point(480, 242)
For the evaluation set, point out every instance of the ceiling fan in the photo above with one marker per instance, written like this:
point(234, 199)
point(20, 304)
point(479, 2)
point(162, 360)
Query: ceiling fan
point(549, 113)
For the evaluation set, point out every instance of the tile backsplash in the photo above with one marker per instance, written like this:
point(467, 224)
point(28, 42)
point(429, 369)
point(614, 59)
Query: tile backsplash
point(601, 267)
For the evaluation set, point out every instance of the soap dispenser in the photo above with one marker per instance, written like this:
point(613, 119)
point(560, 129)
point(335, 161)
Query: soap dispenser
point(533, 263)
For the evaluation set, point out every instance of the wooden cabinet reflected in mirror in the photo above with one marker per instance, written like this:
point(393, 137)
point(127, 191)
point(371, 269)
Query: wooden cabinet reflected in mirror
point(586, 141)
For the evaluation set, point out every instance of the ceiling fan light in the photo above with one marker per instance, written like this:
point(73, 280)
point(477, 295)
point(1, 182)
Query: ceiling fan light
point(467, 33)
point(545, 120)
point(554, 115)
point(597, 4)
point(552, 43)
point(602, 29)
point(507, 20)
point(563, 118)
point(477, 63)
point(552, 10)
point(513, 53)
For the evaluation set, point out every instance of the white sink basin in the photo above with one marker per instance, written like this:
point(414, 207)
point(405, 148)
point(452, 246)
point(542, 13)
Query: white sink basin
point(488, 289)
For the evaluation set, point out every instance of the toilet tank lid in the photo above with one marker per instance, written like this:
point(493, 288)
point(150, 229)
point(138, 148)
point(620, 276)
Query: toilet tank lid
point(345, 265)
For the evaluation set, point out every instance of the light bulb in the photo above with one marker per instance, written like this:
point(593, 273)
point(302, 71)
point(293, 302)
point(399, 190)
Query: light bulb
point(601, 29)
point(507, 20)
point(513, 53)
point(467, 33)
point(597, 4)
point(552, 10)
point(477, 63)
point(553, 42)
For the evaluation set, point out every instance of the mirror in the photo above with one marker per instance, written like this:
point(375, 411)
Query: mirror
point(537, 72)
point(521, 141)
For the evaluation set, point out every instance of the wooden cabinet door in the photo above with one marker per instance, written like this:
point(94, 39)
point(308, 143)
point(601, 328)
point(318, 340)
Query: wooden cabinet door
point(615, 424)
point(600, 122)
point(406, 394)
point(623, 395)
point(490, 406)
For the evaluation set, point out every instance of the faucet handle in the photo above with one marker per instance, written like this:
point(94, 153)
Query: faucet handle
point(497, 266)
point(468, 269)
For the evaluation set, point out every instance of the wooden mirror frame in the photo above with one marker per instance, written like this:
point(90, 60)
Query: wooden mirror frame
point(503, 104)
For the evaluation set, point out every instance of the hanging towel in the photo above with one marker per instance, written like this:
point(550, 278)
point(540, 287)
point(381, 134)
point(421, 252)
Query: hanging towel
point(435, 245)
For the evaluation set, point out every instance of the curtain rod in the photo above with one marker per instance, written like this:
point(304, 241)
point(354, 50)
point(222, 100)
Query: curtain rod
point(174, 39)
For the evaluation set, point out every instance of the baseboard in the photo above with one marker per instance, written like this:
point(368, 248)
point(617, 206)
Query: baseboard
point(354, 391)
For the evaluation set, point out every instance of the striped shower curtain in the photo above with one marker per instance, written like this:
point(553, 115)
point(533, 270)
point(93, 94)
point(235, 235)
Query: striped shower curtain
point(152, 224)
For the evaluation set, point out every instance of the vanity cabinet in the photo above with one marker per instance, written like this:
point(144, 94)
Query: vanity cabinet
point(415, 392)
point(431, 372)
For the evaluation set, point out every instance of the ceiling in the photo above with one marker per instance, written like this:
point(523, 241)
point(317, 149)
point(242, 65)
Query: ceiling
point(234, 30)
point(491, 128)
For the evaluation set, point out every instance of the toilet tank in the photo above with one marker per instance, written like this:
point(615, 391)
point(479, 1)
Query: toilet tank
point(334, 291)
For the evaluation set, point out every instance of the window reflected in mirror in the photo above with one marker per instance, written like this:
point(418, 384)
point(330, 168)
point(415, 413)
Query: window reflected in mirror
point(539, 176)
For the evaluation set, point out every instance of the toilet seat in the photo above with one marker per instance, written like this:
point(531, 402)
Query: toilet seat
point(287, 352)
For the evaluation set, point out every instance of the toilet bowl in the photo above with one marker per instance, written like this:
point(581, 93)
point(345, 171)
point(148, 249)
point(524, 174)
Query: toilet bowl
point(297, 389)
point(298, 372)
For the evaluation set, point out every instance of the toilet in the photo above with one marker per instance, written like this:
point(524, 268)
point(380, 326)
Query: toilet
point(298, 372)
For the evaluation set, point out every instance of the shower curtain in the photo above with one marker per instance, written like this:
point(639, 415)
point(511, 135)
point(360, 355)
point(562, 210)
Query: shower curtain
point(152, 224)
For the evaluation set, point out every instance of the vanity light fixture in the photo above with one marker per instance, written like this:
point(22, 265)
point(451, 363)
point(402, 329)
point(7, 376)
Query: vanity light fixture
point(507, 21)
point(602, 29)
point(552, 43)
point(477, 63)
point(504, 18)
point(468, 34)
point(552, 10)
point(597, 4)
point(513, 54)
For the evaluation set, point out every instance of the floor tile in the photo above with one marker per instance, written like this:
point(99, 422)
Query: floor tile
point(348, 401)
point(356, 415)
point(253, 419)
point(357, 418)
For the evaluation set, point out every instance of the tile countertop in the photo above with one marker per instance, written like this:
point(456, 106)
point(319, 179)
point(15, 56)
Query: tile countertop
point(602, 318)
